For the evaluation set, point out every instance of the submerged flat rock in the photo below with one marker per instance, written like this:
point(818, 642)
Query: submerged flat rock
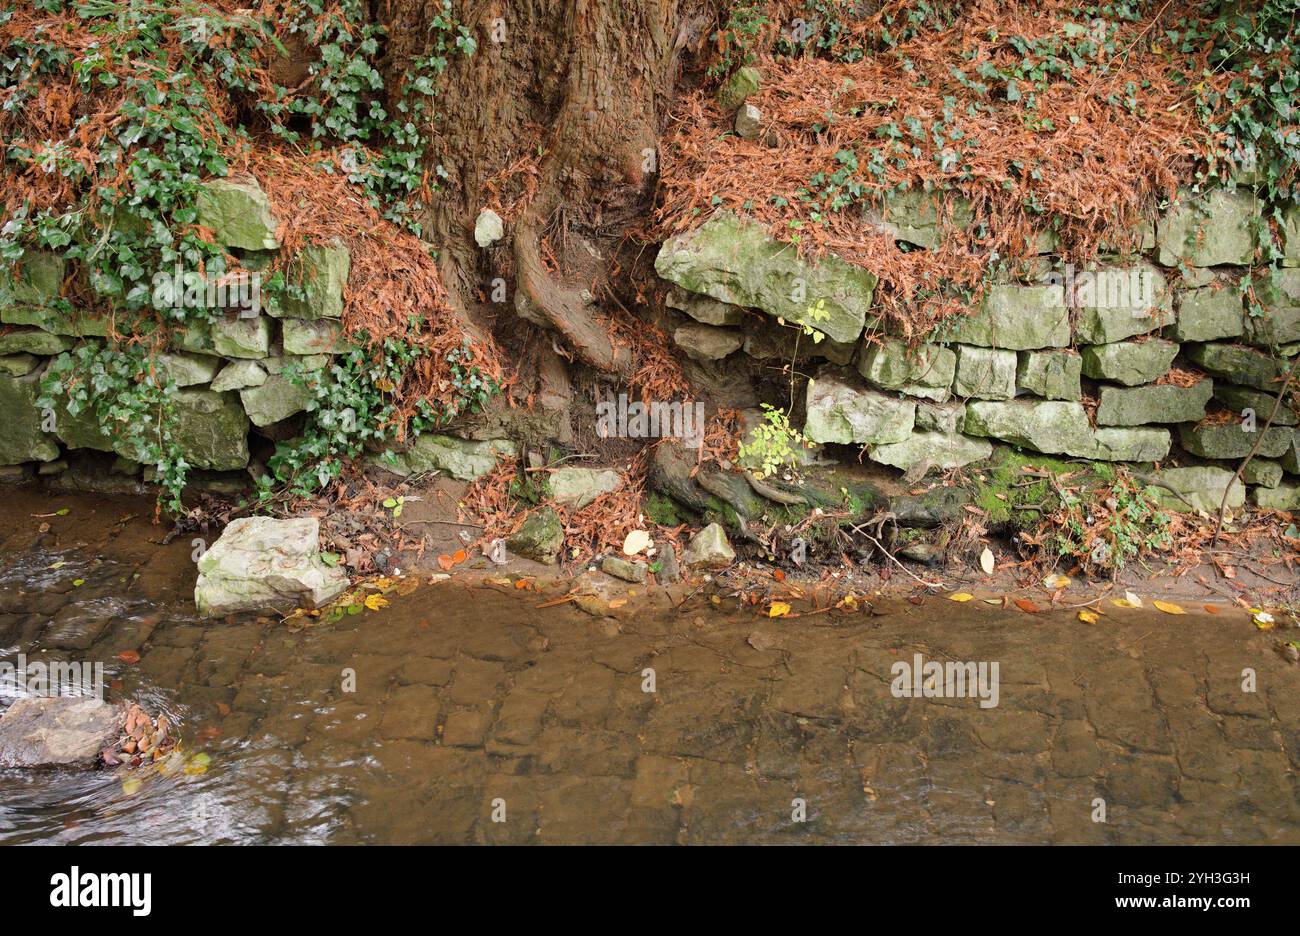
point(57, 732)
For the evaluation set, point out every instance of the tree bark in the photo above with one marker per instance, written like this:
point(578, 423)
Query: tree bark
point(575, 92)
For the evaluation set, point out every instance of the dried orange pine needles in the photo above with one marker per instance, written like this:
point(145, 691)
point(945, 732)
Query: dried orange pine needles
point(394, 279)
point(493, 502)
point(65, 120)
point(1098, 148)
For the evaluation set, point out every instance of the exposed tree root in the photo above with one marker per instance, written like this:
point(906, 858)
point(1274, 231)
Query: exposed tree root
point(564, 308)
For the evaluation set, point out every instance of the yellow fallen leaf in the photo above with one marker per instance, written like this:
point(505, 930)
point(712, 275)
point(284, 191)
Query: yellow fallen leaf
point(1053, 582)
point(993, 601)
point(960, 596)
point(1263, 620)
point(375, 602)
point(1089, 617)
point(1168, 607)
point(1123, 603)
point(617, 602)
point(170, 763)
point(778, 609)
point(383, 583)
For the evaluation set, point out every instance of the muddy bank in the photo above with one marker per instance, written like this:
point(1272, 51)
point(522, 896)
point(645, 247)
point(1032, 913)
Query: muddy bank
point(417, 722)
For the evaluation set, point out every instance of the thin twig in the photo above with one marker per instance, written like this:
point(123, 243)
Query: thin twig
point(558, 601)
point(693, 593)
point(890, 557)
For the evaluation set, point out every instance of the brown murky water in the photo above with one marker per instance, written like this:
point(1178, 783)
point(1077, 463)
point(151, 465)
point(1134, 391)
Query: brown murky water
point(472, 705)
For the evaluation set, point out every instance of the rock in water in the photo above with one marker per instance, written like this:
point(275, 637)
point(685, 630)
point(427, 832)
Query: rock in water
point(57, 731)
point(260, 564)
point(669, 570)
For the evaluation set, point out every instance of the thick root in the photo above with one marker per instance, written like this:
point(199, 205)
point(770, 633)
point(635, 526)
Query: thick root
point(565, 309)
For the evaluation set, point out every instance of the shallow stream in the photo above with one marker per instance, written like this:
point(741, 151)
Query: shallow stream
point(479, 717)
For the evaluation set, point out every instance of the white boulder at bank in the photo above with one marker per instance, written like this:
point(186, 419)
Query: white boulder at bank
point(709, 549)
point(261, 564)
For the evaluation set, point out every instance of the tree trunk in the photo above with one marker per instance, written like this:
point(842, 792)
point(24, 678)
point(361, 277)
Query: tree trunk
point(555, 119)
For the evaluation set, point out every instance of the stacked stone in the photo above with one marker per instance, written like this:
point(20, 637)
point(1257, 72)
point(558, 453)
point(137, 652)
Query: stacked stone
point(1009, 374)
point(1014, 370)
point(1238, 350)
point(1211, 238)
point(230, 373)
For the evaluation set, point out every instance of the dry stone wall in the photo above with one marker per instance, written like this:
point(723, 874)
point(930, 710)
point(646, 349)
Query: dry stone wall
point(1150, 358)
point(230, 373)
